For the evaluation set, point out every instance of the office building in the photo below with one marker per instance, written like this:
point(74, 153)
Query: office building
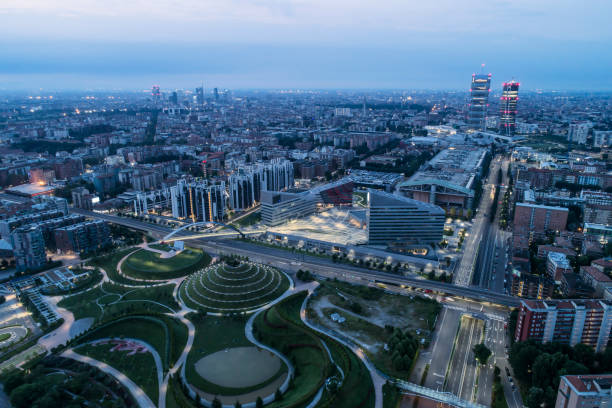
point(448, 180)
point(507, 108)
point(198, 201)
point(337, 193)
point(279, 207)
point(565, 321)
point(29, 247)
point(392, 218)
point(199, 93)
point(479, 101)
point(585, 391)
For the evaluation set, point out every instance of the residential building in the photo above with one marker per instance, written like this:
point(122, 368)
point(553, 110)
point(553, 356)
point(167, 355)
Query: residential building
point(198, 201)
point(29, 247)
point(557, 264)
point(565, 321)
point(534, 218)
point(585, 391)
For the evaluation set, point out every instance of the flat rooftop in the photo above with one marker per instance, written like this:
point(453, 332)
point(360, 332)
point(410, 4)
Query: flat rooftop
point(30, 190)
point(455, 166)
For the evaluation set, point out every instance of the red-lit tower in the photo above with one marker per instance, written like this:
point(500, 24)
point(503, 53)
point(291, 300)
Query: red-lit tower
point(507, 108)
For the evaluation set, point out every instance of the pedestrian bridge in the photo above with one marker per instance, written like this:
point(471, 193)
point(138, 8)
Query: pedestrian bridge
point(171, 236)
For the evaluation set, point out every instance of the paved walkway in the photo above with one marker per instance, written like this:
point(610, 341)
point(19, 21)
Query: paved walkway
point(142, 399)
point(377, 380)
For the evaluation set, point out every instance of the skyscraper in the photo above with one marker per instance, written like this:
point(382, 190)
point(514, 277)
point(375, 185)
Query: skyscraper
point(216, 93)
point(200, 95)
point(479, 101)
point(507, 108)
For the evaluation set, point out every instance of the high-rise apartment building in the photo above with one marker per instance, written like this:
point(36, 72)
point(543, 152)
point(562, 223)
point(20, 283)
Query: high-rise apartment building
point(29, 247)
point(479, 101)
point(507, 108)
point(392, 218)
point(83, 237)
point(578, 132)
point(565, 321)
point(198, 201)
point(246, 185)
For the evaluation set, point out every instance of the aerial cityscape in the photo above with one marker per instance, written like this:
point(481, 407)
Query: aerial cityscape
point(261, 225)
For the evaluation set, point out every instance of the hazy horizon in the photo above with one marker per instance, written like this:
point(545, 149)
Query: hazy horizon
point(307, 44)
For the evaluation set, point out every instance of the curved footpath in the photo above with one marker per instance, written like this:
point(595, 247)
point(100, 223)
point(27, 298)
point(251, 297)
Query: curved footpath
point(377, 380)
point(142, 399)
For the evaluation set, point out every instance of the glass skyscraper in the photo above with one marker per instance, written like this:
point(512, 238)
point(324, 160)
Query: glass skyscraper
point(479, 101)
point(507, 108)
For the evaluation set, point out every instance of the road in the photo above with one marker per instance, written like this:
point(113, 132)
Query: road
point(461, 374)
point(440, 350)
point(490, 268)
point(322, 266)
point(465, 269)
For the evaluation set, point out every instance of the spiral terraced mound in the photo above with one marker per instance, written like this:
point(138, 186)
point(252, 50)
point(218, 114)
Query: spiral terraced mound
point(225, 289)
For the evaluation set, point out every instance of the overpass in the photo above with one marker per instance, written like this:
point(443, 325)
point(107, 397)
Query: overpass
point(318, 264)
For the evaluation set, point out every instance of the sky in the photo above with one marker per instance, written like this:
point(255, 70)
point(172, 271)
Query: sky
point(321, 44)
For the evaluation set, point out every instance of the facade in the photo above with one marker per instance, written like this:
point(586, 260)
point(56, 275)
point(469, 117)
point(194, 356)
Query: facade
point(82, 237)
point(246, 185)
point(536, 218)
point(82, 198)
point(198, 201)
point(602, 138)
point(337, 193)
point(585, 391)
point(578, 133)
point(603, 233)
point(279, 207)
point(392, 218)
point(507, 108)
point(596, 279)
point(565, 321)
point(529, 286)
point(29, 248)
point(479, 101)
point(10, 224)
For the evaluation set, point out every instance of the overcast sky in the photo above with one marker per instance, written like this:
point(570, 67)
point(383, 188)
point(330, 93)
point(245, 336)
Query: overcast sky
point(132, 44)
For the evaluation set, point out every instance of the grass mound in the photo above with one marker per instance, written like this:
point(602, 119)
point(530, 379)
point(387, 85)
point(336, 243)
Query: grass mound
point(233, 289)
point(145, 264)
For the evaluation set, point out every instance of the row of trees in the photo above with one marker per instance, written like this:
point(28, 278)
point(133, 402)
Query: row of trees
point(540, 367)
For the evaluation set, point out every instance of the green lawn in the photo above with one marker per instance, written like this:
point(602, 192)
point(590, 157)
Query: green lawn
point(144, 264)
point(5, 336)
point(279, 329)
point(167, 335)
point(214, 334)
point(109, 264)
point(139, 368)
point(114, 300)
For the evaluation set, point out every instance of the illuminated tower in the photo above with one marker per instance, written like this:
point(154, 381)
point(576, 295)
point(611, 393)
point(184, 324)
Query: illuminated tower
point(479, 101)
point(155, 93)
point(507, 108)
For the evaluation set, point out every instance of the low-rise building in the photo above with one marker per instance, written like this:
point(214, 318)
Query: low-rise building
point(585, 391)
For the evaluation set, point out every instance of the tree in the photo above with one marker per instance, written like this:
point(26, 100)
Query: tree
point(259, 403)
point(217, 404)
point(278, 395)
point(482, 353)
point(237, 404)
point(535, 397)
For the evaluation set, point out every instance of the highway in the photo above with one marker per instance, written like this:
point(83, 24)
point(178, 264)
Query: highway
point(465, 270)
point(462, 369)
point(321, 266)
